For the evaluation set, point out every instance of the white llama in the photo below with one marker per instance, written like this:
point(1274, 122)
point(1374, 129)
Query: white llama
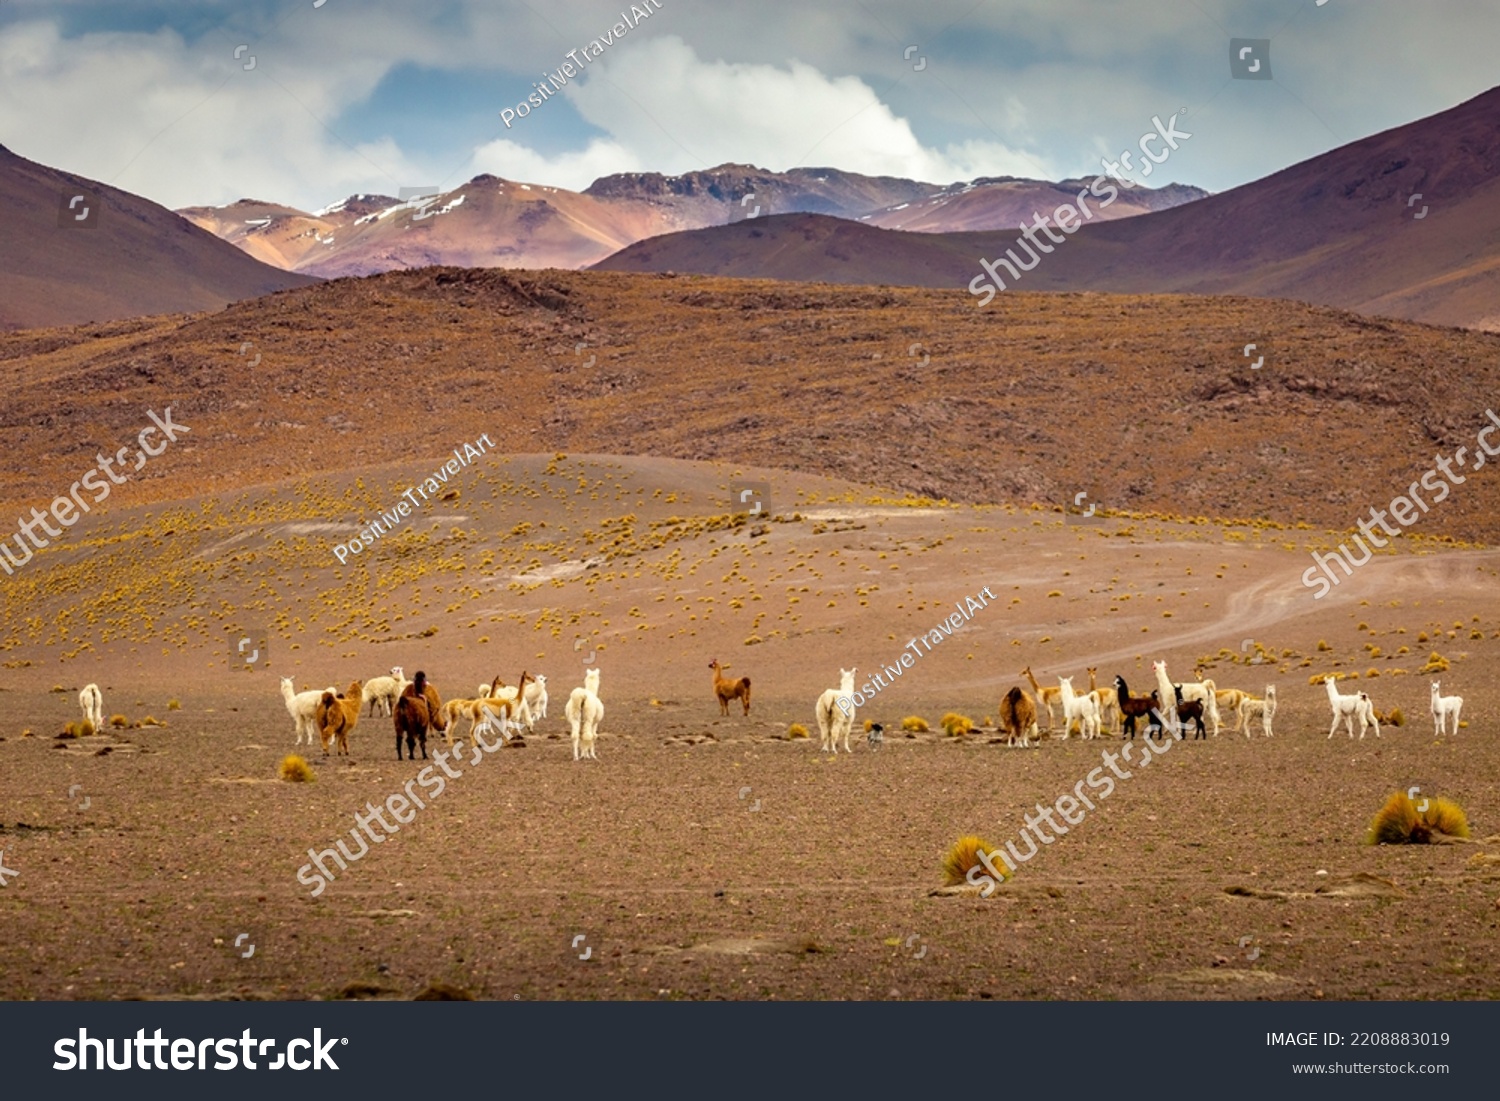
point(1442, 707)
point(834, 719)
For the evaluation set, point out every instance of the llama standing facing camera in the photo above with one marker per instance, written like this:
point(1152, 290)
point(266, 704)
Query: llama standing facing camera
point(833, 718)
point(1442, 707)
point(92, 702)
point(1349, 708)
point(585, 712)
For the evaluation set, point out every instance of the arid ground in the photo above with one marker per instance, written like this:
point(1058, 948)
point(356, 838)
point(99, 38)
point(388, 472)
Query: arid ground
point(142, 854)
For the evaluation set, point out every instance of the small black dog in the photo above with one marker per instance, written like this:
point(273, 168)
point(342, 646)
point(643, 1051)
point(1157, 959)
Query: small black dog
point(877, 735)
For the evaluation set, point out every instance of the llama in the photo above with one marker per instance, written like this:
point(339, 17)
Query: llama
point(384, 690)
point(1189, 709)
point(1109, 711)
point(1083, 708)
point(536, 697)
point(1442, 707)
point(726, 689)
point(585, 711)
point(92, 702)
point(1349, 708)
point(533, 704)
point(833, 719)
point(303, 707)
point(336, 716)
point(1251, 707)
point(1132, 708)
point(1204, 690)
point(499, 711)
point(417, 708)
point(1018, 717)
point(1046, 697)
point(1229, 699)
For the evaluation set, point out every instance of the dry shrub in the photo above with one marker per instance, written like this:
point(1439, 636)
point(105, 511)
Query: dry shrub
point(956, 725)
point(965, 855)
point(119, 722)
point(69, 731)
point(1397, 717)
point(1323, 645)
point(296, 770)
point(868, 724)
point(1400, 823)
point(86, 729)
point(174, 704)
point(915, 723)
point(796, 730)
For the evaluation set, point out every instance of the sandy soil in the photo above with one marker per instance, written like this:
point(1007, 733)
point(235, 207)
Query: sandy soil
point(654, 854)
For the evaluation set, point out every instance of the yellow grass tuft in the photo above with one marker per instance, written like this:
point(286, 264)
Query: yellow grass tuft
point(296, 770)
point(796, 730)
point(1323, 645)
point(85, 729)
point(1397, 717)
point(956, 725)
point(1400, 823)
point(868, 724)
point(118, 721)
point(965, 855)
point(915, 723)
point(69, 731)
point(174, 705)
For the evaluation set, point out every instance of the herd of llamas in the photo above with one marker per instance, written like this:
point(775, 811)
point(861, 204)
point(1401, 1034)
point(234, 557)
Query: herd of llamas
point(416, 708)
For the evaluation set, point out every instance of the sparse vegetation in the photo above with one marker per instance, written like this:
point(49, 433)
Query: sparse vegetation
point(1401, 823)
point(915, 724)
point(295, 769)
point(965, 855)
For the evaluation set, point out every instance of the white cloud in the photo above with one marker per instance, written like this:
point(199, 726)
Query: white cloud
point(664, 107)
point(184, 126)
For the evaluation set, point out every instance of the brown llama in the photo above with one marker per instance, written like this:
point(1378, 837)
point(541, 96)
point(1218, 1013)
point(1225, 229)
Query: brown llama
point(417, 708)
point(1017, 716)
point(1110, 718)
point(336, 716)
point(1045, 696)
point(727, 689)
point(496, 712)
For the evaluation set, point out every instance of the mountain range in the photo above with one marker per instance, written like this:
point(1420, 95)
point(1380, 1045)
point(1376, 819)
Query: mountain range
point(493, 222)
point(1405, 223)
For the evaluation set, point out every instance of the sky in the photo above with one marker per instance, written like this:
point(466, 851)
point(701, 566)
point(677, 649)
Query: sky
point(305, 102)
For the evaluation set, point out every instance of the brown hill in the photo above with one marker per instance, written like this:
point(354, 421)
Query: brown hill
point(491, 222)
point(108, 254)
point(1144, 403)
point(1341, 229)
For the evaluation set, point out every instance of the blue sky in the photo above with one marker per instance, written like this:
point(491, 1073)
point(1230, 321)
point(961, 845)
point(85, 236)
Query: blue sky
point(373, 95)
